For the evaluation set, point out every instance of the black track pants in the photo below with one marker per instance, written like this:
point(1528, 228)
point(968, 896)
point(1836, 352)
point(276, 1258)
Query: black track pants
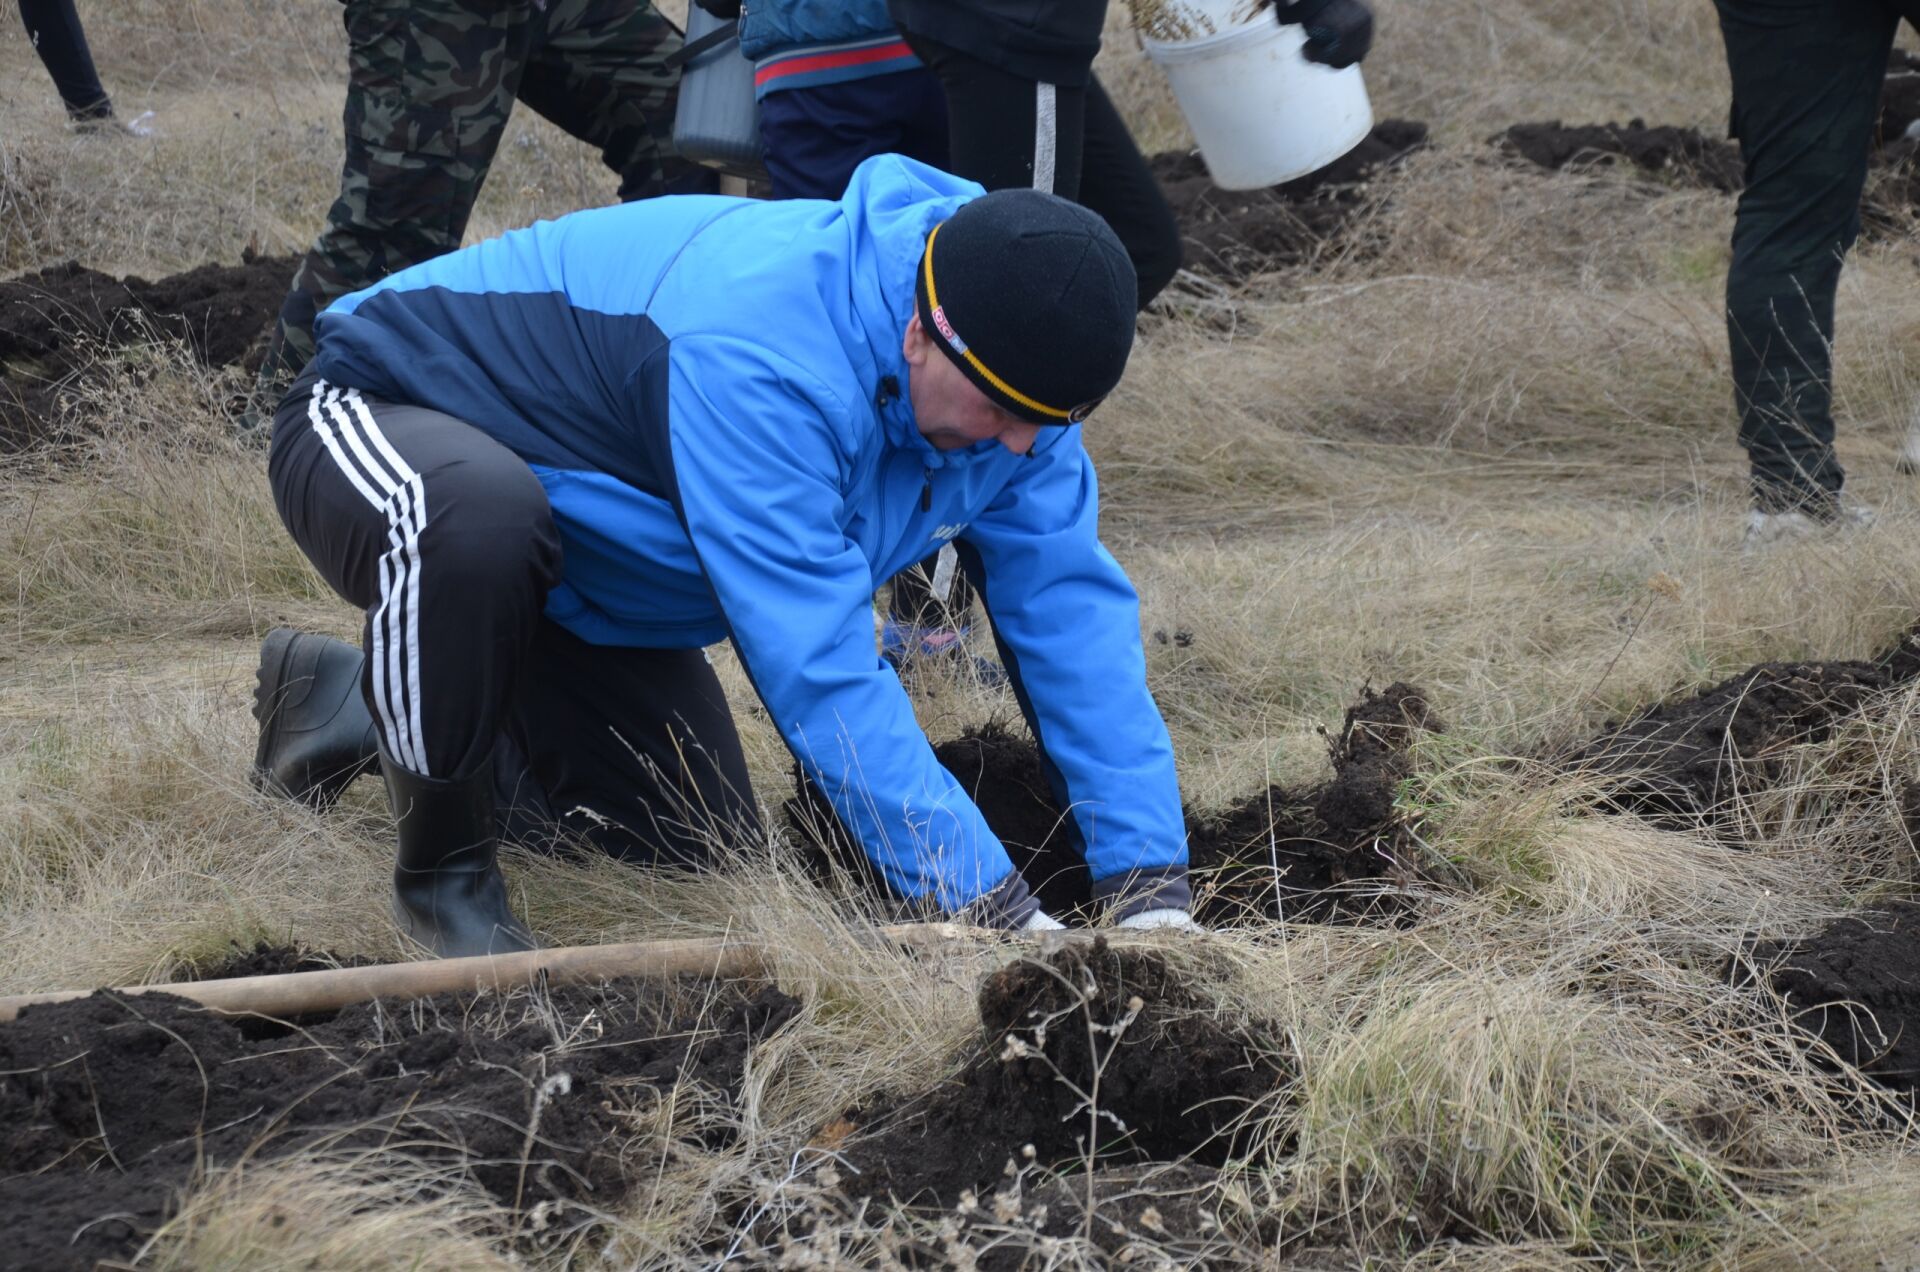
point(1806, 89)
point(445, 538)
point(54, 28)
point(1007, 132)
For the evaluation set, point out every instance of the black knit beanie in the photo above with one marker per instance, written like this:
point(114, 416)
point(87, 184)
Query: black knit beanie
point(1033, 298)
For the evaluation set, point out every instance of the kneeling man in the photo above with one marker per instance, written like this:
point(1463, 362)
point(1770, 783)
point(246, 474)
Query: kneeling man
point(555, 466)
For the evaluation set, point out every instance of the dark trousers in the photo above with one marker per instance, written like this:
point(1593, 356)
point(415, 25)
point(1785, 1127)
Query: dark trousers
point(1007, 132)
point(54, 28)
point(445, 538)
point(1806, 88)
point(813, 138)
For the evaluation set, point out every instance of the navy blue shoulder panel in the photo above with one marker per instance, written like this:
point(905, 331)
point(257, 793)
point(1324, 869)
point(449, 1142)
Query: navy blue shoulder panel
point(557, 385)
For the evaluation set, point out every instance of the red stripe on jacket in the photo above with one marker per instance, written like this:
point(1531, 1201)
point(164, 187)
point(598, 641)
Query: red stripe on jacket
point(830, 61)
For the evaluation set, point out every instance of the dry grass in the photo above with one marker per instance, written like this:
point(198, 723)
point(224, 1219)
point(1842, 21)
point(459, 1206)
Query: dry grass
point(1491, 455)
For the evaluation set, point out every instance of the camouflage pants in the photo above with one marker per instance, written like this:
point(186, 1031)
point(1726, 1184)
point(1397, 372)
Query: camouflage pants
point(431, 84)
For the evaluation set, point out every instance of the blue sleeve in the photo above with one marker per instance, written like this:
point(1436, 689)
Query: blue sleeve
point(759, 449)
point(1068, 623)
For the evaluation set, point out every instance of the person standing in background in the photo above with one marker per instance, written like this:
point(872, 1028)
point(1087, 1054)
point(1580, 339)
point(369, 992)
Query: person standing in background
point(430, 86)
point(1806, 90)
point(54, 28)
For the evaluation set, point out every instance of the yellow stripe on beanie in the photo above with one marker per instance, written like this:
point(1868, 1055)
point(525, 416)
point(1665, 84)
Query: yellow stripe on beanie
point(959, 346)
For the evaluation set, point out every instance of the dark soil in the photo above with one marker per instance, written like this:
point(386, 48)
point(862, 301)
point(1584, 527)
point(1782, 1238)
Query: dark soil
point(1000, 770)
point(1331, 853)
point(1856, 987)
point(56, 323)
point(1156, 1216)
point(1328, 853)
point(1093, 1052)
point(1235, 234)
point(272, 960)
point(108, 1104)
point(1690, 157)
point(1693, 762)
point(1683, 153)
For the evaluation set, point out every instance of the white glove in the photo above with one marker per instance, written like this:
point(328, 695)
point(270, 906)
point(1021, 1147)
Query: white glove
point(1149, 920)
point(1041, 921)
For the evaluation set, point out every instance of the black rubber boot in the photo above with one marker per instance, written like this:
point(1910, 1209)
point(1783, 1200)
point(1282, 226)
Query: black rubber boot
point(316, 734)
point(447, 891)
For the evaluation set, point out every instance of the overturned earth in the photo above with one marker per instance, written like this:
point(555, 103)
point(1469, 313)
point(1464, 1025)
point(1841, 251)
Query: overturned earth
point(111, 1106)
point(58, 324)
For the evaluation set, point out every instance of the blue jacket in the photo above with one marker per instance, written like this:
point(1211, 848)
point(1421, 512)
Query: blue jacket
point(807, 43)
point(712, 392)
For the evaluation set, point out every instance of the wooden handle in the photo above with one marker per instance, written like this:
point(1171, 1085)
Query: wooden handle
point(302, 993)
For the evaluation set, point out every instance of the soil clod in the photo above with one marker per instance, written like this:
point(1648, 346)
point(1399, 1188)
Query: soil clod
point(1324, 854)
point(1855, 985)
point(1091, 1054)
point(1329, 853)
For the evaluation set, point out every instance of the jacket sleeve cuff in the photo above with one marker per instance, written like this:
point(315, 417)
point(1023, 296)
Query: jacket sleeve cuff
point(1125, 895)
point(1009, 905)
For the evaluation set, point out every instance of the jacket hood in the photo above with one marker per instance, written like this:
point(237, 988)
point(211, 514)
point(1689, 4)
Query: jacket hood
point(892, 203)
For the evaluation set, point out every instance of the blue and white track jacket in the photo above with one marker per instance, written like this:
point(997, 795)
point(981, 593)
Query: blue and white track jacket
point(712, 392)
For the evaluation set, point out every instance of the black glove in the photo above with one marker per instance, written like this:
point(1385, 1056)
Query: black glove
point(725, 10)
point(1339, 32)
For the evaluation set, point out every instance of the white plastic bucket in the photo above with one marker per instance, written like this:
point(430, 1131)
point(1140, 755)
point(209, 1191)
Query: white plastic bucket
point(1261, 112)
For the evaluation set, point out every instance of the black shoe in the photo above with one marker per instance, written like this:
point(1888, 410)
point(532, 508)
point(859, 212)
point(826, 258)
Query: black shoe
point(316, 734)
point(447, 891)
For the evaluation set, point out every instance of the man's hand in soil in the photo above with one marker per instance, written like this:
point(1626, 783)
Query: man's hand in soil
point(1339, 32)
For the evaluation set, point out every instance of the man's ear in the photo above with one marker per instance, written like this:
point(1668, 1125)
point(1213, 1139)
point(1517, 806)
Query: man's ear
point(915, 345)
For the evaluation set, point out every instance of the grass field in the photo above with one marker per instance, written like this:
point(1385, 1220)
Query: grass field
point(1493, 456)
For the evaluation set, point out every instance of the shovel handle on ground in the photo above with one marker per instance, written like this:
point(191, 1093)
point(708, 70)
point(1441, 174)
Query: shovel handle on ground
point(304, 993)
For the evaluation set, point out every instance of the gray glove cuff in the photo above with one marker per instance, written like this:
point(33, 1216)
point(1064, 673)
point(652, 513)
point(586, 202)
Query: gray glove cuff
point(1009, 905)
point(1138, 890)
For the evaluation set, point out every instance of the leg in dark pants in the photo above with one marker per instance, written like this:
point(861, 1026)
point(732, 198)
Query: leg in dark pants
point(633, 749)
point(599, 70)
point(445, 538)
point(57, 36)
point(1116, 182)
point(1806, 86)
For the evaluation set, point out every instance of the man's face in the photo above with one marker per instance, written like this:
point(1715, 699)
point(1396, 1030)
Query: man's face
point(949, 411)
